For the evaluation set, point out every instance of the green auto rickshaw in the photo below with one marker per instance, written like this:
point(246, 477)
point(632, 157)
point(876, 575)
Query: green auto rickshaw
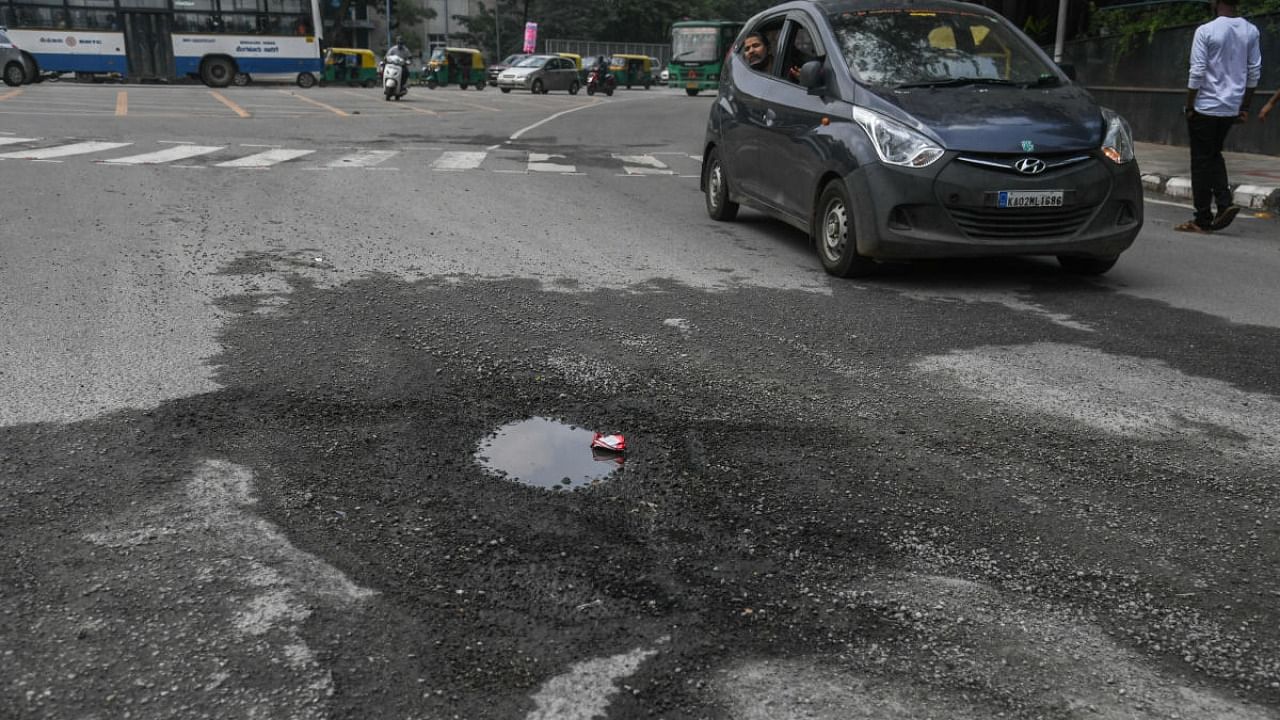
point(463, 67)
point(632, 70)
point(351, 66)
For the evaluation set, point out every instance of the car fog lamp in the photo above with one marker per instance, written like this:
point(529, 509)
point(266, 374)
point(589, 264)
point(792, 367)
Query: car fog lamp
point(895, 143)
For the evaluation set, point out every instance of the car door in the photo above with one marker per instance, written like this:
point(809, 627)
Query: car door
point(564, 73)
point(796, 143)
point(747, 115)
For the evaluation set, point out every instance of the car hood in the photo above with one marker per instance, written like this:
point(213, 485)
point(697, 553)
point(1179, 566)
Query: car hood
point(520, 71)
point(996, 119)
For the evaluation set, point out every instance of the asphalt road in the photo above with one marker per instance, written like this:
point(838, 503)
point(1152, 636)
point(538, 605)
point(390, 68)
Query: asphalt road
point(243, 392)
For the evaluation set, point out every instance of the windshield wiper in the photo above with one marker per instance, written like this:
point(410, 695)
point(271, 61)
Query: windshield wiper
point(953, 82)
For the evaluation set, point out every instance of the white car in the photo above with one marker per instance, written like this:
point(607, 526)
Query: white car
point(664, 76)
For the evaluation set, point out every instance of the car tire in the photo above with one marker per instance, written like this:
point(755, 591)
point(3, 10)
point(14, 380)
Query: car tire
point(716, 182)
point(1078, 265)
point(505, 90)
point(609, 92)
point(306, 80)
point(14, 74)
point(480, 86)
point(217, 72)
point(537, 88)
point(573, 88)
point(591, 89)
point(834, 234)
point(241, 79)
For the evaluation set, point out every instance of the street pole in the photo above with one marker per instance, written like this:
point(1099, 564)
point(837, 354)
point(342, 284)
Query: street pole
point(497, 33)
point(1062, 31)
point(388, 24)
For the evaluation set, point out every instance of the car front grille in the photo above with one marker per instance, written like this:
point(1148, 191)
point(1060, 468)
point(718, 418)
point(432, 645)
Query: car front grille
point(1020, 223)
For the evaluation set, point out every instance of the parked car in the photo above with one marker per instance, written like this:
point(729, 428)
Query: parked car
point(540, 74)
point(892, 134)
point(16, 66)
point(508, 61)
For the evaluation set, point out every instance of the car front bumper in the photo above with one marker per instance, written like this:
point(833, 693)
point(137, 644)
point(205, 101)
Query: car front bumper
point(953, 211)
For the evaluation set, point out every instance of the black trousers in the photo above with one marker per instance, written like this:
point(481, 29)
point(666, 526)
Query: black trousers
point(1207, 134)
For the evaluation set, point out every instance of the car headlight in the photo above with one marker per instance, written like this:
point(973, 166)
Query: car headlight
point(1118, 144)
point(896, 143)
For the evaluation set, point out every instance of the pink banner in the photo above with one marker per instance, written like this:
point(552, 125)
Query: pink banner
point(530, 37)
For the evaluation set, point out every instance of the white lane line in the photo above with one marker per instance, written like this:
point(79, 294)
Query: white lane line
point(363, 159)
point(177, 152)
point(264, 159)
point(57, 151)
point(15, 140)
point(459, 160)
point(539, 162)
point(643, 165)
point(516, 135)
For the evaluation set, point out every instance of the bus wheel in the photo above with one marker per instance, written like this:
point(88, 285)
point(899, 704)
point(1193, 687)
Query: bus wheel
point(14, 74)
point(691, 91)
point(217, 72)
point(306, 80)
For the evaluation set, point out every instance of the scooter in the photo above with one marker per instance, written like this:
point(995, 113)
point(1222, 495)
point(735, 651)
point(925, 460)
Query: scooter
point(393, 73)
point(606, 85)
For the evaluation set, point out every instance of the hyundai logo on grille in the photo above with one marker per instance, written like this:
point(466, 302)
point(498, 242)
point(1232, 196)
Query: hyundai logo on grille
point(1030, 166)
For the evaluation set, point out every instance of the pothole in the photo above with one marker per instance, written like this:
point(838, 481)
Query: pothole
point(546, 453)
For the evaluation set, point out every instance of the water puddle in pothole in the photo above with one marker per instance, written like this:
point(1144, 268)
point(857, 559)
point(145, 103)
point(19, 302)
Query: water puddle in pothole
point(546, 453)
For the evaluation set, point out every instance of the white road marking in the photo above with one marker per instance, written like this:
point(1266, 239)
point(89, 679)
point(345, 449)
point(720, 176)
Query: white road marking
point(585, 691)
point(363, 158)
point(264, 159)
point(539, 162)
point(459, 160)
point(15, 140)
point(177, 152)
point(516, 135)
point(643, 165)
point(80, 148)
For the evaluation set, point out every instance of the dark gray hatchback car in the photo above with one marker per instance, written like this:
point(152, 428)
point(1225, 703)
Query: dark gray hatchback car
point(893, 131)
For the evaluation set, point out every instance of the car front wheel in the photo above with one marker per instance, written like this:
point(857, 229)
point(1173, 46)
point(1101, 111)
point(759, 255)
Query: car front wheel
point(835, 235)
point(14, 74)
point(719, 206)
point(537, 87)
point(573, 88)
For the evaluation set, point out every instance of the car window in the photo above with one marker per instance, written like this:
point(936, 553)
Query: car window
point(800, 49)
point(895, 48)
point(761, 56)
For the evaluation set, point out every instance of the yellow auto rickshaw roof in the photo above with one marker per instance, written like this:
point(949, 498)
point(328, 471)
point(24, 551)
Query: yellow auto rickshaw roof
point(633, 57)
point(367, 57)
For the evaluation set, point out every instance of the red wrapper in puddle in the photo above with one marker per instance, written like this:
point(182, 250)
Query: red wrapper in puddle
point(614, 443)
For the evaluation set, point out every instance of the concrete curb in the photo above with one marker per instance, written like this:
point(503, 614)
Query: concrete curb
point(1254, 197)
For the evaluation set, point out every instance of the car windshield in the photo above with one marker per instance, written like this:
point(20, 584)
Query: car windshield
point(695, 44)
point(534, 61)
point(913, 48)
point(513, 59)
point(4, 39)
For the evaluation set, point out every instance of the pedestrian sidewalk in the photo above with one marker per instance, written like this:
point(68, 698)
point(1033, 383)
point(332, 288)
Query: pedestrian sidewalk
point(1166, 169)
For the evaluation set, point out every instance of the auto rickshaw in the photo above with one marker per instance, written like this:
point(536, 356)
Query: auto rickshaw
point(577, 62)
point(632, 70)
point(463, 67)
point(353, 66)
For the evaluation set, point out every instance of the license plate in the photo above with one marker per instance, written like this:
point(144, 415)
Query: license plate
point(1029, 198)
point(692, 86)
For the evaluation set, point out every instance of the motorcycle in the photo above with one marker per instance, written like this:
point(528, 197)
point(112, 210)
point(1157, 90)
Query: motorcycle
point(394, 72)
point(596, 83)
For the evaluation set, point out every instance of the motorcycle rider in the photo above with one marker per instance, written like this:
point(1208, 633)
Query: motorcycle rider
point(601, 71)
point(400, 53)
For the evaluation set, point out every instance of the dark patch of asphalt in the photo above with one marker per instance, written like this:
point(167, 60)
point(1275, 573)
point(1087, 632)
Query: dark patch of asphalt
point(780, 450)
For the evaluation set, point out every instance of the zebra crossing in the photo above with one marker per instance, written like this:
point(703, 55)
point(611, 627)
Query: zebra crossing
point(246, 157)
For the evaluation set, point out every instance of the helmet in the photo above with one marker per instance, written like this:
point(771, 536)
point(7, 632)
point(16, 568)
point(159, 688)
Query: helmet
point(399, 39)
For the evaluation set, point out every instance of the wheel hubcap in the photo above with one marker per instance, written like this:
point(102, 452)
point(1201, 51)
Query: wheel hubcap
point(715, 185)
point(833, 230)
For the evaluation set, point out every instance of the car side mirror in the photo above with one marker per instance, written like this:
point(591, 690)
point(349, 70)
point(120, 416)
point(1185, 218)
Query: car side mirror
point(1068, 69)
point(811, 77)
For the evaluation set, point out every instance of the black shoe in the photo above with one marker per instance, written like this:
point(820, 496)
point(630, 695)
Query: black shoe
point(1224, 217)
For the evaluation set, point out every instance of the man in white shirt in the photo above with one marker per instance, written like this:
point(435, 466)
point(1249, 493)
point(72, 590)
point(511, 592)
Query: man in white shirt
point(1226, 64)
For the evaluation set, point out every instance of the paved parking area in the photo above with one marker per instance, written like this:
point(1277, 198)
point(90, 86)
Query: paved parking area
point(267, 101)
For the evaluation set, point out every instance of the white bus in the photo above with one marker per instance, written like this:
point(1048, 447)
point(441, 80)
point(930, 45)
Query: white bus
point(212, 40)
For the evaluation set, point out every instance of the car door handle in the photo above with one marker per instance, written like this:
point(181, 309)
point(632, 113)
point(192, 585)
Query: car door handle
point(769, 117)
